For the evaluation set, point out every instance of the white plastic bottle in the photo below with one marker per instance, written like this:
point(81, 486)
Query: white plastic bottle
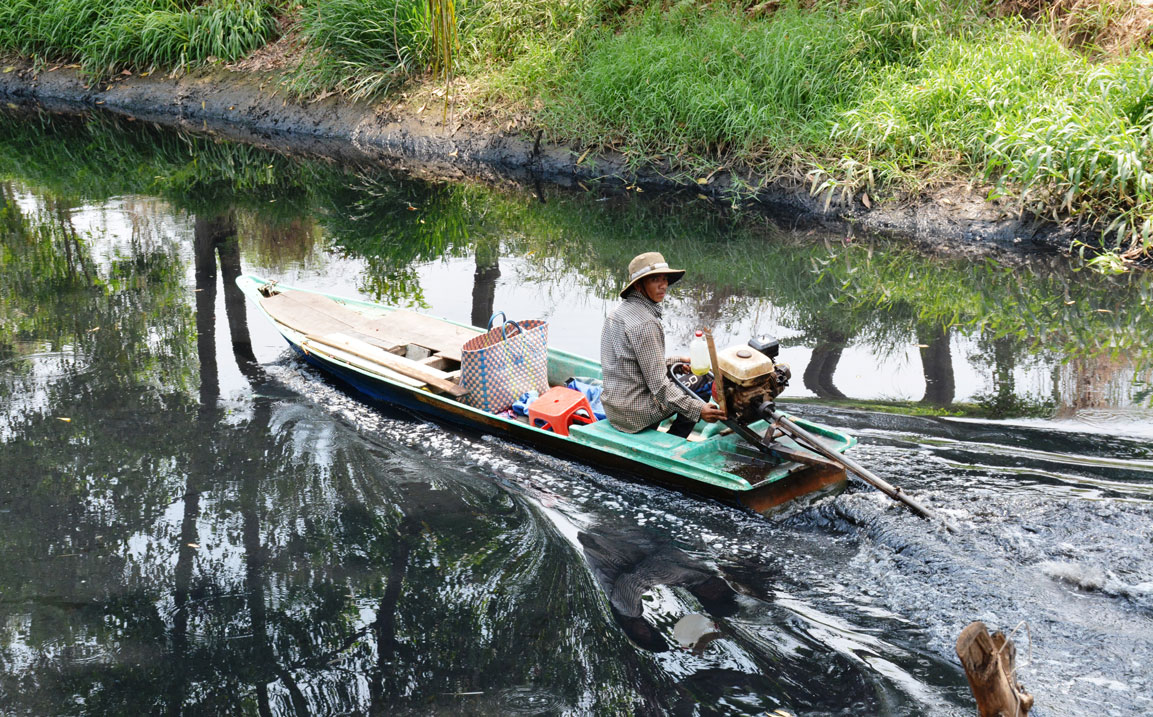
point(699, 354)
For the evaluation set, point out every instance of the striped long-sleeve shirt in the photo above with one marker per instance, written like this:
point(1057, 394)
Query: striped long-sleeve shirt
point(637, 389)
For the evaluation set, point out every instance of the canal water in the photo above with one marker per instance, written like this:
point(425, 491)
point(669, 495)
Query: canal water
point(193, 520)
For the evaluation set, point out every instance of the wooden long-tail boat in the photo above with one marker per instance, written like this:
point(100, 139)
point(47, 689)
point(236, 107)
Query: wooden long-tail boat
point(413, 360)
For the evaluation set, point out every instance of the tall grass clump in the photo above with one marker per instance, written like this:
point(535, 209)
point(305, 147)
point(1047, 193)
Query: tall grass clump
point(942, 108)
point(361, 47)
point(519, 49)
point(167, 34)
point(896, 31)
point(1066, 136)
point(700, 79)
point(711, 82)
point(104, 35)
point(499, 32)
point(47, 27)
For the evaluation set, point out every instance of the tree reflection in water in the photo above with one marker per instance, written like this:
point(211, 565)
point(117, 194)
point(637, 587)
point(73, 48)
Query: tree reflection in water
point(818, 375)
point(937, 362)
point(239, 562)
point(628, 562)
point(484, 280)
point(868, 295)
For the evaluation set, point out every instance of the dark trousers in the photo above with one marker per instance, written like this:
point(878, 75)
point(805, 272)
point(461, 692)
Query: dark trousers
point(681, 427)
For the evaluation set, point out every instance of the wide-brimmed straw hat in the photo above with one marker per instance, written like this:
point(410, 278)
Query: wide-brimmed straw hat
point(647, 264)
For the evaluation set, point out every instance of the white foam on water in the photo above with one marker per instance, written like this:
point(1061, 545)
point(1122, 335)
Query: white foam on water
point(1083, 576)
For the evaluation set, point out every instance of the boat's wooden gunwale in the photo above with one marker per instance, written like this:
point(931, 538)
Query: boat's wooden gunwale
point(682, 474)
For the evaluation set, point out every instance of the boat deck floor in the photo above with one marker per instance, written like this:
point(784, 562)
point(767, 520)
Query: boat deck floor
point(415, 349)
point(315, 315)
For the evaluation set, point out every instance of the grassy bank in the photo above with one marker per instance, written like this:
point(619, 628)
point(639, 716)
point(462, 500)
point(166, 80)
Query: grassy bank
point(1049, 104)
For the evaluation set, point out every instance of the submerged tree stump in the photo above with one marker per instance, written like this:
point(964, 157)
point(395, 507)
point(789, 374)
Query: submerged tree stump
point(989, 662)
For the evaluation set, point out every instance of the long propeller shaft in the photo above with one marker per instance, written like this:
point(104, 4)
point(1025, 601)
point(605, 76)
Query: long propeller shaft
point(811, 441)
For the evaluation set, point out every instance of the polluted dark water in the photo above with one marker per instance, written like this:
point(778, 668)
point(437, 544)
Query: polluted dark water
point(195, 521)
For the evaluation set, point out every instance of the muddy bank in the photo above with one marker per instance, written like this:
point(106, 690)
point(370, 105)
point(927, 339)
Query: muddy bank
point(248, 108)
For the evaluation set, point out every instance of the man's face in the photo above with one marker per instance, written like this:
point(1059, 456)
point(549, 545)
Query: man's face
point(655, 287)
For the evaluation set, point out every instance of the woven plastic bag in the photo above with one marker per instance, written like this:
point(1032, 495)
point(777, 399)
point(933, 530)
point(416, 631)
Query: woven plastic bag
point(499, 366)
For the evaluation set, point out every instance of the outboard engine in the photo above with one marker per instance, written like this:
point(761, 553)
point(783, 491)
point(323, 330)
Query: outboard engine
point(753, 380)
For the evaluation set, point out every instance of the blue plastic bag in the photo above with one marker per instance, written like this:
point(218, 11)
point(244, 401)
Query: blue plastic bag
point(521, 404)
point(592, 393)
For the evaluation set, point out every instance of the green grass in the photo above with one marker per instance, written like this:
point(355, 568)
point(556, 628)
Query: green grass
point(516, 50)
point(1067, 136)
point(108, 35)
point(499, 32)
point(883, 95)
point(704, 80)
point(713, 85)
point(361, 48)
point(902, 93)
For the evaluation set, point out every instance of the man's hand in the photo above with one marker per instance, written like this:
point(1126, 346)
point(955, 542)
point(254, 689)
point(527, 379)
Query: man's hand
point(712, 414)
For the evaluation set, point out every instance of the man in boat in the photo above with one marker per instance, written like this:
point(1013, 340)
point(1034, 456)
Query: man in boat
point(638, 392)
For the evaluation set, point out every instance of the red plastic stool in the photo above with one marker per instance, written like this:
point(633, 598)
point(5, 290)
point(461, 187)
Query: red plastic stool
point(558, 408)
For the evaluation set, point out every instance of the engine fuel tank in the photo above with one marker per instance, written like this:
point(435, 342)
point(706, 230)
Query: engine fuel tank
point(743, 365)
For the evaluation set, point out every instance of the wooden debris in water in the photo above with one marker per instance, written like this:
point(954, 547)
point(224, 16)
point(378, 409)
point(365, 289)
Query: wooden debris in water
point(989, 662)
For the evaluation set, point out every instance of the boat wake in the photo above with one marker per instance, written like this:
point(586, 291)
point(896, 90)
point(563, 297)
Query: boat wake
point(1038, 546)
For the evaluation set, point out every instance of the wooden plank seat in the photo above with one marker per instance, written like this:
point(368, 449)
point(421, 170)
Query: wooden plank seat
point(364, 355)
point(443, 338)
